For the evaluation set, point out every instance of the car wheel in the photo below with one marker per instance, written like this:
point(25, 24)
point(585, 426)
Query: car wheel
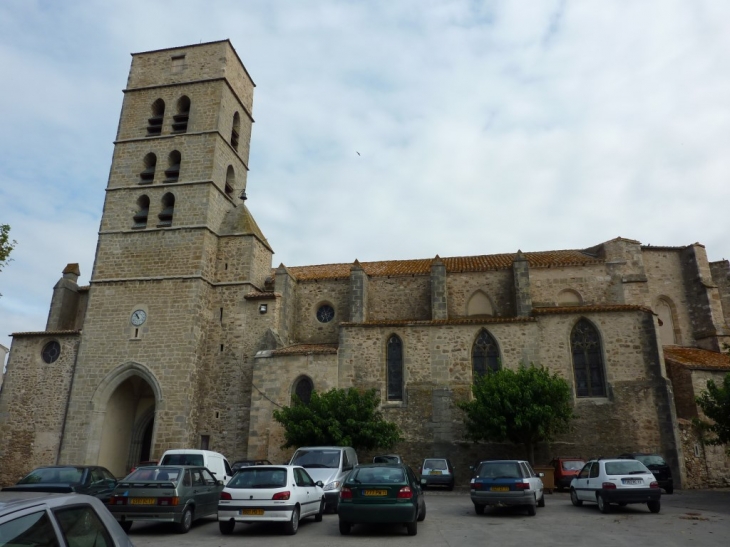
point(654, 506)
point(531, 510)
point(226, 526)
point(126, 525)
point(603, 505)
point(422, 513)
point(292, 526)
point(479, 509)
point(345, 528)
point(541, 501)
point(574, 498)
point(412, 528)
point(318, 516)
point(183, 527)
point(669, 490)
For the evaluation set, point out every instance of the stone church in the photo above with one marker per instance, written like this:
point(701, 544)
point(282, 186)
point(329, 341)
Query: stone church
point(188, 337)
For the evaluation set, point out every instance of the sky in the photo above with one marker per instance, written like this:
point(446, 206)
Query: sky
point(386, 130)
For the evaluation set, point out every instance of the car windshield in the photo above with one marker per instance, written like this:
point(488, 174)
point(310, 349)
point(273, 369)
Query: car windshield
point(182, 459)
point(53, 475)
point(499, 470)
point(434, 464)
point(625, 467)
point(573, 465)
point(377, 475)
point(153, 474)
point(257, 477)
point(651, 460)
point(320, 458)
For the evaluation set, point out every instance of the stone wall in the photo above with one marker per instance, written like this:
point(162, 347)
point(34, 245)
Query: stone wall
point(310, 295)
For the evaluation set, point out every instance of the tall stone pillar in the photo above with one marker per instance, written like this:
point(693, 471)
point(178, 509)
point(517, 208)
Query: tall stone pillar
point(65, 301)
point(521, 272)
point(284, 285)
point(359, 282)
point(439, 308)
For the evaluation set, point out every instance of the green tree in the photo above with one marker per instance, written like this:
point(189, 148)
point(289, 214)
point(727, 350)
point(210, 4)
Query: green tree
point(715, 403)
point(339, 417)
point(6, 245)
point(526, 407)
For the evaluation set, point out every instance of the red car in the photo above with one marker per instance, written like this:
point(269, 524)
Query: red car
point(566, 469)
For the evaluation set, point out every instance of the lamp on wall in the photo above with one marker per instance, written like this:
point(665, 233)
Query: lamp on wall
point(263, 308)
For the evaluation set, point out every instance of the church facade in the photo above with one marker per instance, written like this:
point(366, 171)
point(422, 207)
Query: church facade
point(187, 337)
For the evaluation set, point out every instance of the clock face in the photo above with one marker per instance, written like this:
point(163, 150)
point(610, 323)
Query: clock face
point(138, 317)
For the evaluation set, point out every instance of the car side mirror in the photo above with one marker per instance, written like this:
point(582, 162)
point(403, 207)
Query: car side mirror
point(320, 484)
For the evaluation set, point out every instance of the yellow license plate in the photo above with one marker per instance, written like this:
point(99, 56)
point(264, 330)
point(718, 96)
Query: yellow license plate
point(435, 473)
point(375, 493)
point(499, 489)
point(258, 512)
point(142, 501)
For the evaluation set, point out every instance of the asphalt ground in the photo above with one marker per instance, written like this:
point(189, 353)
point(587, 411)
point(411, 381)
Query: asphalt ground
point(693, 517)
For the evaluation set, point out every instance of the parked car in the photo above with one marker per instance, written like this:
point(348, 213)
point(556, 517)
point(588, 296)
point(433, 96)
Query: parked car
point(566, 469)
point(387, 458)
point(621, 481)
point(247, 463)
point(214, 461)
point(437, 472)
point(165, 493)
point(381, 493)
point(329, 464)
point(37, 518)
point(270, 493)
point(507, 483)
point(658, 467)
point(82, 479)
point(145, 463)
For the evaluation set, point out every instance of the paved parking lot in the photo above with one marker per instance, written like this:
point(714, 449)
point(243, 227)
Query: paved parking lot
point(686, 518)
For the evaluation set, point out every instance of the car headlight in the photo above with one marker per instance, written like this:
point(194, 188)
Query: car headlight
point(334, 485)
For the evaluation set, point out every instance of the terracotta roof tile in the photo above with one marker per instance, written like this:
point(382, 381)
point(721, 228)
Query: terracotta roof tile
point(422, 266)
point(306, 349)
point(589, 309)
point(696, 358)
point(479, 320)
point(47, 333)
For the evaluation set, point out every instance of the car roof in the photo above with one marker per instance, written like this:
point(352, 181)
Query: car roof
point(16, 501)
point(503, 461)
point(322, 447)
point(384, 464)
point(192, 451)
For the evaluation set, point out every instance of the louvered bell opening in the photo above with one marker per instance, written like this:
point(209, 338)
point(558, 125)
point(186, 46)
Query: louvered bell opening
point(180, 122)
point(155, 125)
point(172, 173)
point(147, 176)
point(165, 215)
point(234, 138)
point(140, 218)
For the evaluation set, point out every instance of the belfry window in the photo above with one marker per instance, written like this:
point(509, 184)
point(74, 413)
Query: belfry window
point(168, 209)
point(585, 343)
point(394, 365)
point(180, 120)
point(148, 174)
point(154, 126)
point(484, 355)
point(172, 173)
point(303, 390)
point(143, 211)
point(235, 131)
point(230, 181)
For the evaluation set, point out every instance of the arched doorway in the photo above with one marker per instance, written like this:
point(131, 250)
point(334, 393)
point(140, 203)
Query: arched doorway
point(126, 436)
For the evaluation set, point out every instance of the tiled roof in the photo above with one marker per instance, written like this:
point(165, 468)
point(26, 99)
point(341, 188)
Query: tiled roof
point(474, 320)
point(589, 309)
point(696, 358)
point(261, 295)
point(306, 349)
point(422, 266)
point(47, 333)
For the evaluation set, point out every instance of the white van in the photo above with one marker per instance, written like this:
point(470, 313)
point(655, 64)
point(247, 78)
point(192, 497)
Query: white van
point(329, 464)
point(215, 462)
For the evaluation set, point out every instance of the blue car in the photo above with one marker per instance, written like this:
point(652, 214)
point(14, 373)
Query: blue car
point(507, 483)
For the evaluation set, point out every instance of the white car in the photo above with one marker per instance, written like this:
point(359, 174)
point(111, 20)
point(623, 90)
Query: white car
point(615, 481)
point(270, 493)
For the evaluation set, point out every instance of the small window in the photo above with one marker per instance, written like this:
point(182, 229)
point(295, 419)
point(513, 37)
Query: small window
point(325, 313)
point(154, 126)
point(148, 174)
point(235, 130)
point(168, 209)
point(172, 173)
point(395, 368)
point(178, 64)
point(230, 181)
point(303, 390)
point(180, 120)
point(143, 211)
point(51, 351)
point(204, 442)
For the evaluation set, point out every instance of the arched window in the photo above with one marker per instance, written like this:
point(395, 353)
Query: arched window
point(168, 209)
point(667, 334)
point(154, 126)
point(569, 297)
point(235, 130)
point(303, 390)
point(143, 210)
point(148, 174)
point(395, 368)
point(479, 304)
point(585, 343)
point(484, 354)
point(180, 120)
point(230, 181)
point(172, 173)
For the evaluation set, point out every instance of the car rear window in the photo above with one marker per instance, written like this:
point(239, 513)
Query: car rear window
point(385, 459)
point(154, 474)
point(257, 477)
point(573, 465)
point(53, 475)
point(626, 467)
point(435, 464)
point(651, 460)
point(499, 470)
point(317, 459)
point(182, 459)
point(378, 475)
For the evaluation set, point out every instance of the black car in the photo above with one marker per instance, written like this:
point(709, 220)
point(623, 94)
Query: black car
point(656, 464)
point(82, 479)
point(248, 463)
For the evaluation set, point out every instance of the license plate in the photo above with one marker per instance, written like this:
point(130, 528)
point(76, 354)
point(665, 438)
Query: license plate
point(258, 512)
point(374, 492)
point(142, 501)
point(499, 489)
point(632, 481)
point(435, 473)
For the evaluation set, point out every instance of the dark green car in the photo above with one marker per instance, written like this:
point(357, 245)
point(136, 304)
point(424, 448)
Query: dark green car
point(381, 494)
